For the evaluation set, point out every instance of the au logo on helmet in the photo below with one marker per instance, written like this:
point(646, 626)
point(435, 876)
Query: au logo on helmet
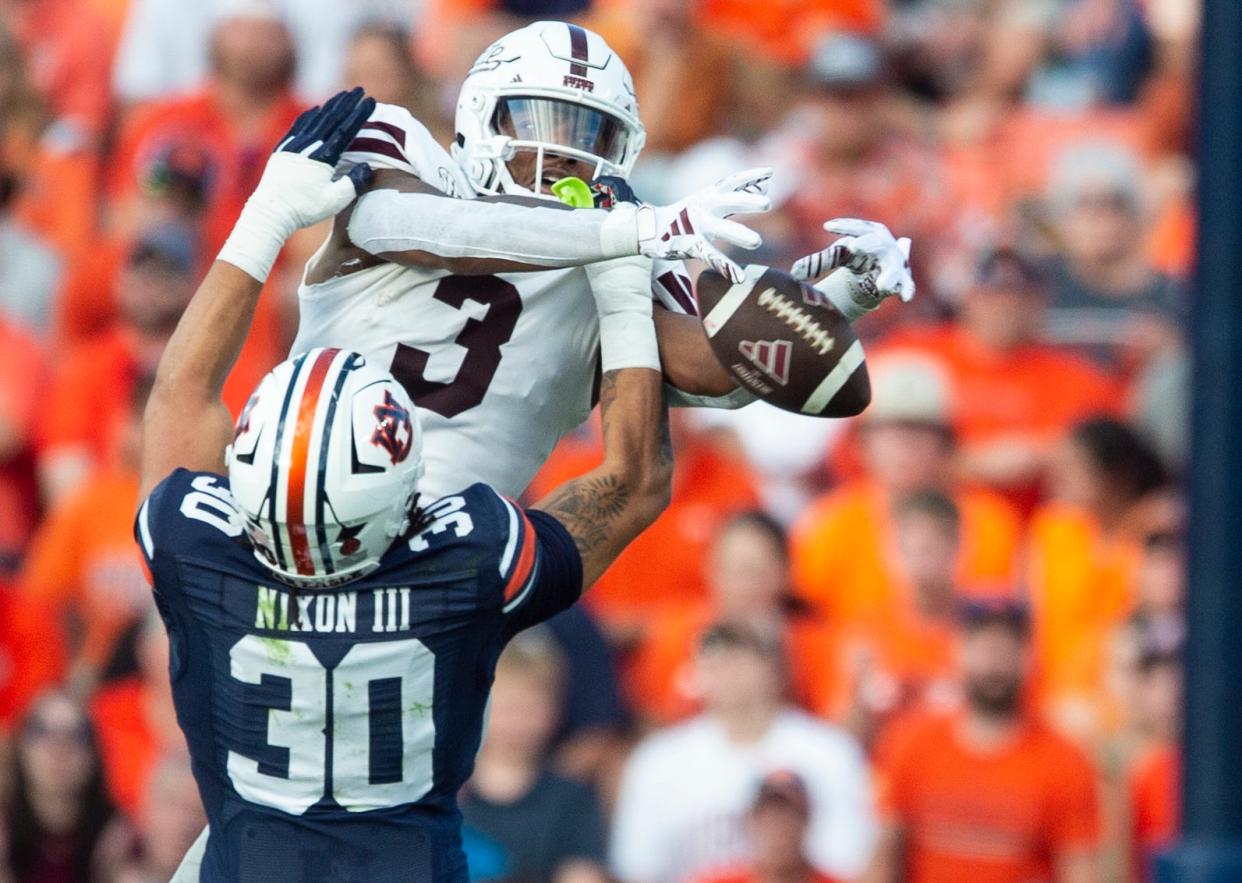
point(394, 432)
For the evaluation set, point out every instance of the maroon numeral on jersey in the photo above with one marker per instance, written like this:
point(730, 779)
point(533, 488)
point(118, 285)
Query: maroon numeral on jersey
point(481, 338)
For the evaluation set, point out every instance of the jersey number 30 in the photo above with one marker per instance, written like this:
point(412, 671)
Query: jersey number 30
point(369, 720)
point(482, 339)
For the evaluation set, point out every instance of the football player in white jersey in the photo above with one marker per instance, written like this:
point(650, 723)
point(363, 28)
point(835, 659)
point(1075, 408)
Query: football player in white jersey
point(469, 278)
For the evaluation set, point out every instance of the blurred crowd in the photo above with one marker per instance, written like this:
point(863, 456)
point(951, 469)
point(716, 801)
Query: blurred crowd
point(937, 642)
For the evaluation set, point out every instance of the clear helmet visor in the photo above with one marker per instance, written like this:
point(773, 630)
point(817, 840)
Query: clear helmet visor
point(562, 127)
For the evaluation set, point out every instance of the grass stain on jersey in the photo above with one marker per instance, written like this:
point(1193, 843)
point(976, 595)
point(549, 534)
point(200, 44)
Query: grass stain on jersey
point(278, 651)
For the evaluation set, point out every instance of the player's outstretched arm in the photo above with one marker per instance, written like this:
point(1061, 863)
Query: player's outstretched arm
point(186, 424)
point(612, 504)
point(407, 222)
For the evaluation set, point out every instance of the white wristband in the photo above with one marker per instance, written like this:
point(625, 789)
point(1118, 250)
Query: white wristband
point(628, 340)
point(622, 291)
point(848, 292)
point(256, 240)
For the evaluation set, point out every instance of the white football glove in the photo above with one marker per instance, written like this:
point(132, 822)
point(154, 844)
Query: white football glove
point(878, 266)
point(299, 187)
point(686, 228)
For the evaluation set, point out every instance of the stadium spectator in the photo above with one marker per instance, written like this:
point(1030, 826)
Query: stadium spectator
point(173, 188)
point(776, 826)
point(1013, 397)
point(56, 815)
point(592, 734)
point(904, 657)
point(789, 31)
point(380, 60)
point(748, 574)
point(1154, 775)
point(70, 54)
point(1160, 584)
point(685, 793)
point(850, 160)
point(47, 179)
point(523, 822)
point(137, 723)
point(91, 389)
point(22, 377)
point(32, 655)
point(241, 111)
point(986, 793)
point(451, 34)
point(907, 445)
point(166, 46)
point(83, 562)
point(1084, 550)
point(1106, 297)
point(692, 84)
point(172, 818)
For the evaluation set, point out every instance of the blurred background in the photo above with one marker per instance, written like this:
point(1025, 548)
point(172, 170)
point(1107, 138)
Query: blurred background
point(940, 641)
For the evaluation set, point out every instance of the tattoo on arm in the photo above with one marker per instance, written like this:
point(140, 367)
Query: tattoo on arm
point(588, 508)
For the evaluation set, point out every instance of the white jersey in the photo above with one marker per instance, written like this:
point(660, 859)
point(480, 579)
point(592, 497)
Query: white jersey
point(500, 367)
point(683, 798)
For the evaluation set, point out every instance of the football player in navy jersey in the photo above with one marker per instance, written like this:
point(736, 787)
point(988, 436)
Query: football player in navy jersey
point(333, 636)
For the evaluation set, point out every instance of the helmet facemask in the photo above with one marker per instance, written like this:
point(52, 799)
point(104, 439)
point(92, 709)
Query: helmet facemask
point(548, 139)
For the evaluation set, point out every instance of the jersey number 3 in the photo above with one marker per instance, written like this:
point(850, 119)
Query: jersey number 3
point(368, 720)
point(482, 339)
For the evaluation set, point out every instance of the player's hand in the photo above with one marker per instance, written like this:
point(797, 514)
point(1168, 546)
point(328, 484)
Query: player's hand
point(870, 251)
point(687, 229)
point(297, 187)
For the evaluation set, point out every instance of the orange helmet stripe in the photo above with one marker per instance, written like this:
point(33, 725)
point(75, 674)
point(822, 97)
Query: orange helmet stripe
point(299, 456)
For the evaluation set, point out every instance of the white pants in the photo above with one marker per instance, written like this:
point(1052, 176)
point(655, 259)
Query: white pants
point(187, 871)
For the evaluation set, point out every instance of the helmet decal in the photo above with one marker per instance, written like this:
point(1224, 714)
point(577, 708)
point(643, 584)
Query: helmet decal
point(394, 432)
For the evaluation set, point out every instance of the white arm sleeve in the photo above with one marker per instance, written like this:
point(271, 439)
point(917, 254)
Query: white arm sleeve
point(739, 398)
point(386, 221)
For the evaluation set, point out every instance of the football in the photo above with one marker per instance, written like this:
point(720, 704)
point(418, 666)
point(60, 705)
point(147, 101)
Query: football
point(782, 340)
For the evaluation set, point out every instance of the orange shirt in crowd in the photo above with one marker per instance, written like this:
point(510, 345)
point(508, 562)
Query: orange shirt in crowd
point(1036, 390)
point(238, 160)
point(83, 561)
point(21, 393)
point(238, 157)
point(659, 670)
point(665, 564)
point(838, 550)
point(1081, 589)
point(985, 816)
point(85, 305)
point(789, 30)
point(900, 656)
point(88, 398)
point(137, 727)
point(899, 183)
point(67, 47)
point(57, 172)
point(32, 653)
point(1155, 804)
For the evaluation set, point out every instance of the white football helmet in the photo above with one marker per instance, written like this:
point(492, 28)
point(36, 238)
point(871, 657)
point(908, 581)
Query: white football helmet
point(324, 466)
point(550, 87)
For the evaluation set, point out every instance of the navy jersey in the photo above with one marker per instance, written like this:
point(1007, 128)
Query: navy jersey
point(330, 729)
